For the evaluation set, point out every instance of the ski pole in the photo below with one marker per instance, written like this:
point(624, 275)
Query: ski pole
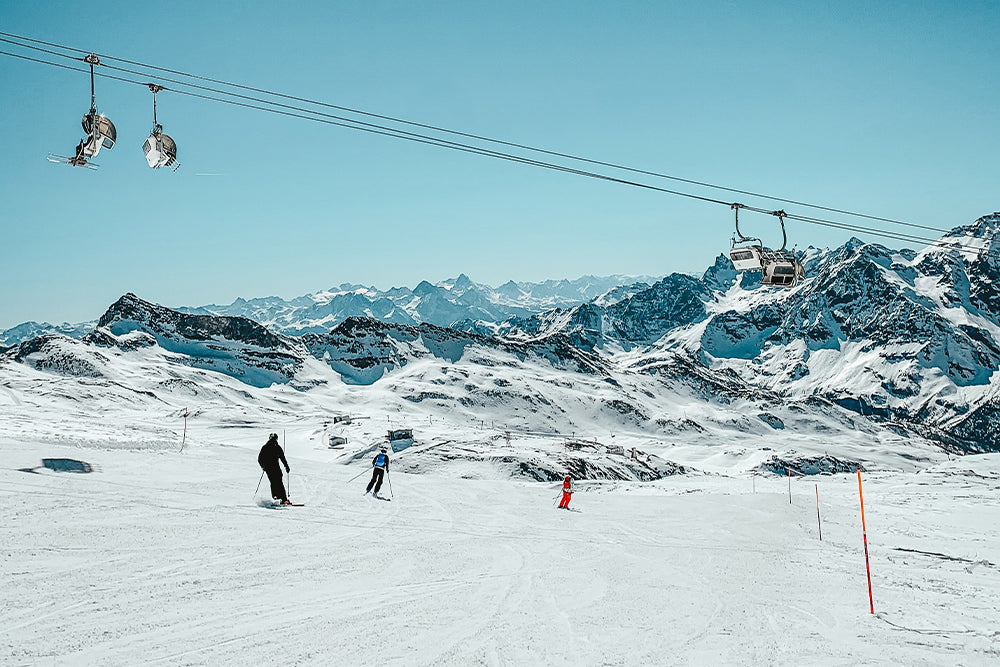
point(258, 483)
point(356, 476)
point(388, 479)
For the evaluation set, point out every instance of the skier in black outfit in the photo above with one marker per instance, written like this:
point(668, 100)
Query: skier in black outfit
point(380, 466)
point(270, 457)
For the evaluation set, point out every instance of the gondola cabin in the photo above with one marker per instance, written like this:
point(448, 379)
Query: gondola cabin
point(746, 258)
point(101, 133)
point(785, 272)
point(160, 151)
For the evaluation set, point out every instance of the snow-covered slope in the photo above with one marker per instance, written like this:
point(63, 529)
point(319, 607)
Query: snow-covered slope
point(162, 557)
point(146, 358)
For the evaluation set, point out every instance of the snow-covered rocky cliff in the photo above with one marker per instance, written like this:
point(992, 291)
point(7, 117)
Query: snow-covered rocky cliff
point(895, 335)
point(875, 346)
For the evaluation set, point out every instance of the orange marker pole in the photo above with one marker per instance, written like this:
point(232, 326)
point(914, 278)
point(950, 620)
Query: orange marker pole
point(864, 533)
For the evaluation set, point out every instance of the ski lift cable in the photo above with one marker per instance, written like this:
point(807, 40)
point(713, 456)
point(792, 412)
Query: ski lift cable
point(861, 229)
point(899, 236)
point(371, 127)
point(817, 221)
point(39, 49)
point(394, 132)
point(44, 62)
point(434, 141)
point(444, 143)
point(896, 236)
point(277, 111)
point(477, 137)
point(375, 129)
point(383, 131)
point(353, 123)
point(415, 136)
point(38, 41)
point(869, 231)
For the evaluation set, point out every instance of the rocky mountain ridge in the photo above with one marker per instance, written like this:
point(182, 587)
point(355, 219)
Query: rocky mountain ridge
point(444, 304)
point(907, 341)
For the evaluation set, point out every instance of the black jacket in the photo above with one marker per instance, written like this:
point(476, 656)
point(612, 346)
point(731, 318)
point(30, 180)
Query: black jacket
point(270, 454)
point(375, 461)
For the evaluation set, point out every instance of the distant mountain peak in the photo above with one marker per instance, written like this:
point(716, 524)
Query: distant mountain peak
point(971, 242)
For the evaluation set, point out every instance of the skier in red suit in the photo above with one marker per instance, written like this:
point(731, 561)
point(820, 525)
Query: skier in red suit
point(567, 494)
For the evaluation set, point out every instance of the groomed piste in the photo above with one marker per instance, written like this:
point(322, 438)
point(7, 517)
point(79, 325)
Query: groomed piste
point(152, 555)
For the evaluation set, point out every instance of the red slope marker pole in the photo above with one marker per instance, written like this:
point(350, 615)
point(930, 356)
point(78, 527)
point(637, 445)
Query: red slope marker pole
point(284, 443)
point(819, 524)
point(864, 533)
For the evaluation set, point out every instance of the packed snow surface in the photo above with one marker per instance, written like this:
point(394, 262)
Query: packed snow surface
point(162, 556)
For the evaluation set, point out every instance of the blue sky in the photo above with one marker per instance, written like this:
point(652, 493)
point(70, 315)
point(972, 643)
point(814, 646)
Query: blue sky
point(884, 108)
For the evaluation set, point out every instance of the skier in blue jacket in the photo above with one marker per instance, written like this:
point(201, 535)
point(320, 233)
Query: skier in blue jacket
point(380, 466)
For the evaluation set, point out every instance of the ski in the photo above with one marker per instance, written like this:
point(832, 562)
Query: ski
point(278, 506)
point(76, 162)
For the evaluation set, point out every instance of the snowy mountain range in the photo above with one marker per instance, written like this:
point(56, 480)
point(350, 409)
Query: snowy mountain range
point(28, 330)
point(444, 304)
point(876, 349)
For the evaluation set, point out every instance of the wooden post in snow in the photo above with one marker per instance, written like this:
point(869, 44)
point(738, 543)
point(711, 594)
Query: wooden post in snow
point(818, 523)
point(184, 436)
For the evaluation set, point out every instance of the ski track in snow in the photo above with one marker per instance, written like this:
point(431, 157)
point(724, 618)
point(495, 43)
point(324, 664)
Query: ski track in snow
point(14, 399)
